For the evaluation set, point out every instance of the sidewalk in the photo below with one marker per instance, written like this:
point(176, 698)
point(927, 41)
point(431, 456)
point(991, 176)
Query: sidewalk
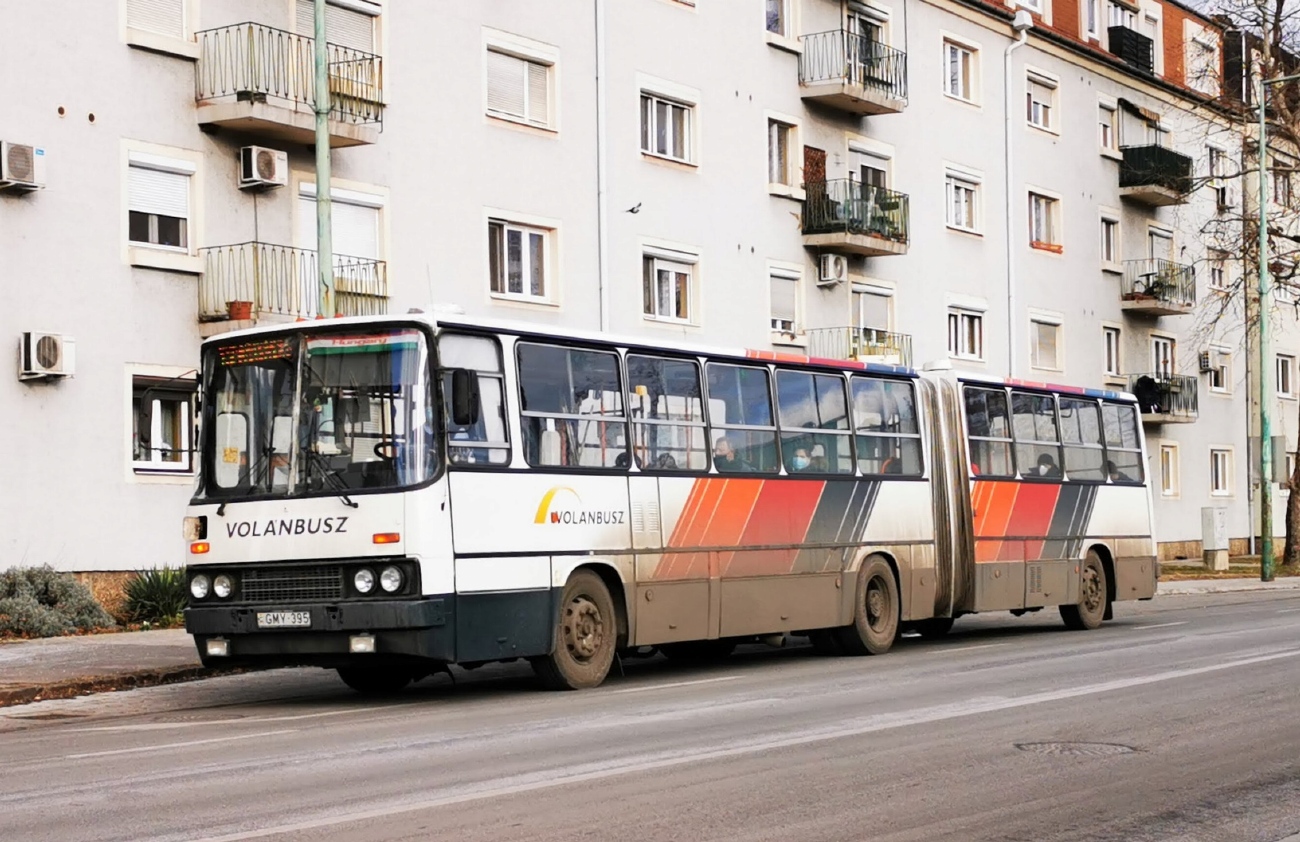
point(63, 667)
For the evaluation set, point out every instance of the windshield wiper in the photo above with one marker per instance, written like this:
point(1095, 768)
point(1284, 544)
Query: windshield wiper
point(331, 479)
point(249, 474)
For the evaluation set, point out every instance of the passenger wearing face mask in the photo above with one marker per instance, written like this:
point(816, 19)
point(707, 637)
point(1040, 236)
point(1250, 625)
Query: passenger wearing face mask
point(800, 460)
point(1047, 468)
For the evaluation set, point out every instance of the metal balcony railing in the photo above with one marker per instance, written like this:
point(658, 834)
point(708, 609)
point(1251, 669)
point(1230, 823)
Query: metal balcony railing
point(1172, 395)
point(840, 55)
point(866, 344)
point(842, 205)
point(1155, 165)
point(1134, 48)
point(256, 63)
point(1162, 281)
point(247, 279)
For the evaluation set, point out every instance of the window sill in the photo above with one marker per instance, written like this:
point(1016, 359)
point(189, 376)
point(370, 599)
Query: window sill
point(669, 322)
point(521, 124)
point(1113, 268)
point(787, 191)
point(1113, 154)
point(150, 477)
point(962, 359)
point(156, 43)
point(1220, 393)
point(1283, 397)
point(1053, 248)
point(1117, 380)
point(784, 42)
point(796, 340)
point(954, 98)
point(969, 232)
point(664, 160)
point(169, 261)
point(1048, 130)
point(506, 298)
point(1049, 369)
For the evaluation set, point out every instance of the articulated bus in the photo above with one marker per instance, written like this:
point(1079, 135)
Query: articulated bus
point(387, 496)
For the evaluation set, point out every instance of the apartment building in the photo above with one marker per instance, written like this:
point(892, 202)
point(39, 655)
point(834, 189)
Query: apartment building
point(902, 181)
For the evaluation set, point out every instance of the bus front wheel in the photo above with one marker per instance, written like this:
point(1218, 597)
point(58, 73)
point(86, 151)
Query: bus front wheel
point(876, 611)
point(1093, 596)
point(585, 636)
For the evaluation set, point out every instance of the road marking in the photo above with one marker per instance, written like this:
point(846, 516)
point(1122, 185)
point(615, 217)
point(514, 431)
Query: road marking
point(1161, 625)
point(674, 684)
point(550, 778)
point(140, 749)
point(163, 726)
point(946, 649)
point(1288, 611)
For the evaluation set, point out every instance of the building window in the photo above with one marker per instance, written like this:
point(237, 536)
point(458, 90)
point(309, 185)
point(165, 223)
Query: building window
point(1162, 356)
point(1169, 470)
point(165, 447)
point(1040, 102)
point(158, 200)
point(785, 300)
point(1108, 128)
point(517, 260)
point(1218, 270)
point(778, 17)
point(1122, 16)
point(780, 166)
point(1109, 241)
point(666, 293)
point(1043, 225)
point(666, 128)
point(1220, 472)
point(965, 334)
point(1203, 63)
point(518, 89)
point(1285, 376)
point(1110, 339)
point(1220, 363)
point(1092, 18)
point(963, 201)
point(1280, 175)
point(959, 78)
point(1045, 337)
point(348, 23)
point(163, 17)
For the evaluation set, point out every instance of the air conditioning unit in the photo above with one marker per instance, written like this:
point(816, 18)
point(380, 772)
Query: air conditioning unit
point(22, 168)
point(1211, 360)
point(1225, 197)
point(262, 167)
point(46, 356)
point(834, 270)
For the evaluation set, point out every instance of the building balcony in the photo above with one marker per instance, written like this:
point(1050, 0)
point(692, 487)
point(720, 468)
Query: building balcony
point(1155, 175)
point(863, 344)
point(1158, 287)
point(1133, 48)
point(1165, 398)
point(848, 217)
point(251, 283)
point(262, 82)
point(852, 73)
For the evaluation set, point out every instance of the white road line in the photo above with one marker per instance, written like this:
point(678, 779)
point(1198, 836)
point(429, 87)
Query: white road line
point(551, 778)
point(1288, 611)
point(946, 649)
point(674, 684)
point(141, 749)
point(1161, 625)
point(163, 726)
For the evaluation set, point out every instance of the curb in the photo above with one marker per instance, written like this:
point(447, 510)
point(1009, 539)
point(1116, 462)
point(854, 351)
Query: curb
point(70, 688)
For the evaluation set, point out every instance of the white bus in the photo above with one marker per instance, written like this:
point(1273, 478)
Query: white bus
point(389, 495)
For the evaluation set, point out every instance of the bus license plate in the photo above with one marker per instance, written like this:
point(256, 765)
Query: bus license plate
point(283, 619)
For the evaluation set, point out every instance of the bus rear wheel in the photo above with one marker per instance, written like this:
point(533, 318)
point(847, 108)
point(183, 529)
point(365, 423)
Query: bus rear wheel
point(585, 636)
point(1093, 596)
point(876, 612)
point(374, 681)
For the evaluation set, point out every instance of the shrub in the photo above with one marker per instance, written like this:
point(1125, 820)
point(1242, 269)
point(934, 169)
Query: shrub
point(42, 602)
point(157, 596)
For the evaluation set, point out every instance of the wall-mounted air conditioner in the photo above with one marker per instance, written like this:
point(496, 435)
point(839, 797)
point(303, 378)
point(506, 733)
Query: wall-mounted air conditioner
point(262, 167)
point(46, 356)
point(22, 167)
point(1211, 360)
point(834, 270)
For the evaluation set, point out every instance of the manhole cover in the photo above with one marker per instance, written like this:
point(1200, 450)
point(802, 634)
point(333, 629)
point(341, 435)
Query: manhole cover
point(1077, 749)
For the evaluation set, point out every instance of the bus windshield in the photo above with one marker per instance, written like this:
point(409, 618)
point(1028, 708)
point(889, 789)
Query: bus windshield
point(325, 412)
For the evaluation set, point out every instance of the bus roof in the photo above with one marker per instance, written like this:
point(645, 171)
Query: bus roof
point(1108, 394)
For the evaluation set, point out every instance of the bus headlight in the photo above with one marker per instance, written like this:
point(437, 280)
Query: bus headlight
point(199, 586)
point(364, 580)
point(223, 586)
point(391, 579)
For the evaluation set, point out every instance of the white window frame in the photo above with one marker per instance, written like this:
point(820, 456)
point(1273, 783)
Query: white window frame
point(792, 185)
point(1053, 218)
point(1284, 375)
point(530, 54)
point(1221, 484)
point(972, 78)
point(1201, 53)
point(1112, 351)
point(183, 46)
point(1113, 262)
point(958, 319)
point(549, 232)
point(1223, 373)
point(1217, 277)
point(1122, 14)
point(1108, 122)
point(1092, 32)
point(1153, 11)
point(786, 29)
point(1159, 341)
point(1052, 320)
point(1035, 6)
point(165, 159)
point(659, 90)
point(1049, 110)
point(674, 259)
point(1170, 469)
point(960, 178)
point(787, 272)
point(155, 471)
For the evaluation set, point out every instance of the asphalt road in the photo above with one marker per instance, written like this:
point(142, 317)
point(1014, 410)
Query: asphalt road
point(1179, 720)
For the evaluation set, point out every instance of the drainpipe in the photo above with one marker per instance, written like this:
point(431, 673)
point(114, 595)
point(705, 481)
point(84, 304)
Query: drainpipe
point(602, 198)
point(1021, 24)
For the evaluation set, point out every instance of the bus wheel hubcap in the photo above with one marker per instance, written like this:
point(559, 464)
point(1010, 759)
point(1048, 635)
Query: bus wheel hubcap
point(1091, 589)
point(583, 630)
point(877, 604)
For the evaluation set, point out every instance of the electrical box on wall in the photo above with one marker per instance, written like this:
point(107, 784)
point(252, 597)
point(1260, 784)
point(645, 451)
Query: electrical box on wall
point(46, 356)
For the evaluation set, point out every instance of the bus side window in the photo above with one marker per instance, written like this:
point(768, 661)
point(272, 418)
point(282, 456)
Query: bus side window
point(1038, 443)
point(884, 419)
point(814, 420)
point(740, 419)
point(485, 442)
point(1123, 447)
point(988, 432)
point(666, 406)
point(1081, 434)
point(571, 407)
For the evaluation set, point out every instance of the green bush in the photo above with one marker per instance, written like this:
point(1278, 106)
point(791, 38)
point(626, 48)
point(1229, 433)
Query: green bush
point(42, 602)
point(157, 596)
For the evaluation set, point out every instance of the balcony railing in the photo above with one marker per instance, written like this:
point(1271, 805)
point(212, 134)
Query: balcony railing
point(1134, 48)
point(1155, 174)
point(247, 280)
point(845, 206)
point(1165, 397)
point(1161, 287)
point(249, 62)
point(839, 56)
point(865, 344)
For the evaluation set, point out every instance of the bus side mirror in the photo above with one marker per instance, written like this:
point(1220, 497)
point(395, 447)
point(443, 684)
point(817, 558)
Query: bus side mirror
point(464, 397)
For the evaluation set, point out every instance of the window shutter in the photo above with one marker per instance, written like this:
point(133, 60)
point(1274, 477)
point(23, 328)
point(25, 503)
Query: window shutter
point(166, 17)
point(784, 293)
point(538, 93)
point(344, 27)
point(158, 192)
point(505, 75)
point(356, 230)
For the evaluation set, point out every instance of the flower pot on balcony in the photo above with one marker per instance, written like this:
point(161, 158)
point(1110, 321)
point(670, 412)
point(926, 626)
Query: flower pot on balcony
point(239, 310)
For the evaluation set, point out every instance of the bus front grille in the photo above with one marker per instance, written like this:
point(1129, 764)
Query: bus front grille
point(293, 584)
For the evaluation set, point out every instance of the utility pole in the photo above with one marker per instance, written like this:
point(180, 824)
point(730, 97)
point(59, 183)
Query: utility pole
point(324, 229)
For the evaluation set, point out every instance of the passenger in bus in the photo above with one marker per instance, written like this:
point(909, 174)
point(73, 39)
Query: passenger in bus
point(726, 459)
point(1115, 474)
point(818, 463)
point(666, 462)
point(620, 461)
point(800, 461)
point(1047, 467)
point(892, 466)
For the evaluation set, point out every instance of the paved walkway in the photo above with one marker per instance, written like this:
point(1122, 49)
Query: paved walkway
point(62, 667)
